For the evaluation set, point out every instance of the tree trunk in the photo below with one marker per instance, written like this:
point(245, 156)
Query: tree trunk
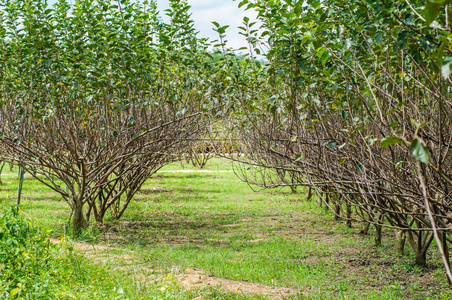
point(377, 235)
point(378, 229)
point(337, 211)
point(420, 246)
point(443, 237)
point(1, 169)
point(349, 215)
point(400, 241)
point(308, 198)
point(78, 220)
point(421, 258)
point(365, 228)
point(327, 201)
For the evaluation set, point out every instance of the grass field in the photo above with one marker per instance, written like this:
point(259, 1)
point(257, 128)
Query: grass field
point(193, 234)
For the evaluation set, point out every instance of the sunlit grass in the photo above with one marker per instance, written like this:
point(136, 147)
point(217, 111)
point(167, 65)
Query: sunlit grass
point(211, 221)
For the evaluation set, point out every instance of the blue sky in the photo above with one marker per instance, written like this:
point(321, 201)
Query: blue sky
point(225, 12)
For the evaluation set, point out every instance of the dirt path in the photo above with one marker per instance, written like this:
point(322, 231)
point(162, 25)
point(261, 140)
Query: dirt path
point(197, 279)
point(190, 279)
point(101, 254)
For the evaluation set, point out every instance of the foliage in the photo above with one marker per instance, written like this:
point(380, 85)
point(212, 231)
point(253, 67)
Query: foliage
point(31, 267)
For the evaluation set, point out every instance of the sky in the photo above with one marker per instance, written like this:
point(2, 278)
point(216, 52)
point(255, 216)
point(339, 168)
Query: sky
point(225, 12)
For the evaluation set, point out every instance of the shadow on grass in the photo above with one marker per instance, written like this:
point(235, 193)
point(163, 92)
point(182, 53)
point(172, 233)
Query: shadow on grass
point(173, 229)
point(39, 198)
point(152, 191)
point(181, 175)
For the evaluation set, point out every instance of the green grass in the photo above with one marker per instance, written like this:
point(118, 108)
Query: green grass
point(213, 222)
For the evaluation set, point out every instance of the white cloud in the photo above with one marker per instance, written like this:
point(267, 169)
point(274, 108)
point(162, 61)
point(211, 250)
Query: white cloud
point(225, 12)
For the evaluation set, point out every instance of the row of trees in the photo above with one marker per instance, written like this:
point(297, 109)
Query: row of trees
point(97, 96)
point(353, 101)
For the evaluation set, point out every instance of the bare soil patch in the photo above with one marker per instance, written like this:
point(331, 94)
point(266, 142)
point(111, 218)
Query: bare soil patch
point(100, 253)
point(198, 279)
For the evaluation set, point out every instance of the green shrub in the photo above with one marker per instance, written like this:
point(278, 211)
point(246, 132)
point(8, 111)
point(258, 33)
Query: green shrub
point(27, 259)
point(33, 268)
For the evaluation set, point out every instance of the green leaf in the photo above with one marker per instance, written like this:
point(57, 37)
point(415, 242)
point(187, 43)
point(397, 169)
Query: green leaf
point(431, 11)
point(419, 150)
point(272, 100)
point(394, 124)
point(315, 3)
point(321, 51)
point(344, 114)
point(399, 164)
point(298, 157)
point(13, 292)
point(324, 58)
point(440, 51)
point(379, 37)
point(243, 3)
point(298, 9)
point(323, 54)
point(414, 123)
point(390, 140)
point(445, 68)
point(332, 144)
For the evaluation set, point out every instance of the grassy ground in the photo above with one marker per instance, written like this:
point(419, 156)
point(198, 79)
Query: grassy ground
point(187, 231)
